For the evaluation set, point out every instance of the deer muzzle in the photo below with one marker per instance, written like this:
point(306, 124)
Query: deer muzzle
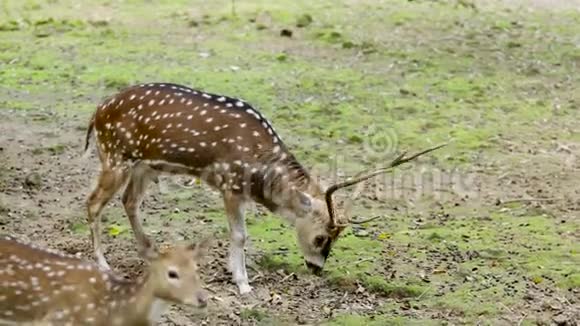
point(313, 268)
point(199, 299)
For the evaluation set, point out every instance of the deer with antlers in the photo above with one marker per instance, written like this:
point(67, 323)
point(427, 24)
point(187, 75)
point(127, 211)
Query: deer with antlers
point(41, 286)
point(148, 129)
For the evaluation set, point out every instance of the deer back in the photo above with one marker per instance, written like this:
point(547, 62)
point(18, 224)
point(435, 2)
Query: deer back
point(177, 129)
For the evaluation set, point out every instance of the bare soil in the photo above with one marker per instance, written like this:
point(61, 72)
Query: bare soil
point(44, 180)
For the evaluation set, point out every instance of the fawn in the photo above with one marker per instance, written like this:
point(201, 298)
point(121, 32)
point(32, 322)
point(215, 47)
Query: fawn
point(148, 129)
point(40, 286)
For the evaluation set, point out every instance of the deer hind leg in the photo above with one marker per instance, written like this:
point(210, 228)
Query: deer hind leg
point(237, 260)
point(109, 182)
point(141, 177)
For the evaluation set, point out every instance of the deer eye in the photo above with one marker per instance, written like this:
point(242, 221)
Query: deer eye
point(172, 275)
point(319, 240)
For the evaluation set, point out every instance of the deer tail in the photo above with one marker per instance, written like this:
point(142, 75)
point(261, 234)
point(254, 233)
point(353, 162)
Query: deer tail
point(89, 134)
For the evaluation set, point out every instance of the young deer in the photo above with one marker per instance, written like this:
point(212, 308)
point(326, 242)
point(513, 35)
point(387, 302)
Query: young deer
point(152, 128)
point(44, 287)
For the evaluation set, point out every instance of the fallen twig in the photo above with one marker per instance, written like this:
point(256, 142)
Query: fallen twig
point(424, 292)
point(522, 319)
point(365, 220)
point(256, 278)
point(362, 260)
point(208, 288)
point(506, 307)
point(526, 200)
point(216, 298)
point(253, 268)
point(287, 277)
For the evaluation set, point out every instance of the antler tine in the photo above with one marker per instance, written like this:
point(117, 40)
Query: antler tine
point(401, 159)
point(358, 191)
point(365, 220)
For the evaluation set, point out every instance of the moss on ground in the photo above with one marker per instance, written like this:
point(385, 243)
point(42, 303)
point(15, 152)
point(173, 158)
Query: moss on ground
point(357, 82)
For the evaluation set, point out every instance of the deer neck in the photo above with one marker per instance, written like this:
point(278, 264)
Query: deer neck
point(273, 185)
point(142, 306)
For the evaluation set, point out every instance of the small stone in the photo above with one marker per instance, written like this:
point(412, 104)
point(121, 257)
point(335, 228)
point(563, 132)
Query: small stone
point(304, 20)
point(33, 180)
point(361, 233)
point(286, 33)
point(561, 319)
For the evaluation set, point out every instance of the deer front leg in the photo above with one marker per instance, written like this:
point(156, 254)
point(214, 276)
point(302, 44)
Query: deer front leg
point(237, 260)
point(141, 177)
point(109, 182)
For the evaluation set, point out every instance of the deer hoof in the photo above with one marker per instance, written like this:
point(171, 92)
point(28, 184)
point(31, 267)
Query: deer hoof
point(244, 288)
point(103, 264)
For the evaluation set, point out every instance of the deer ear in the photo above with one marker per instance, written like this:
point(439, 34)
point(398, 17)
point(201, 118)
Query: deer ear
point(201, 248)
point(302, 202)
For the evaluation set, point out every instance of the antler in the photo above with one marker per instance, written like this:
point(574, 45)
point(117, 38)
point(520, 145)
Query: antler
point(401, 159)
point(366, 220)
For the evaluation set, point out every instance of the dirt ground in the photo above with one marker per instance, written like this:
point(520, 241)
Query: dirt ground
point(502, 252)
point(45, 191)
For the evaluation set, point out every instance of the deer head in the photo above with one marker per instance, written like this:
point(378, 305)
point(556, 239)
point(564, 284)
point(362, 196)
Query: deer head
point(318, 225)
point(175, 273)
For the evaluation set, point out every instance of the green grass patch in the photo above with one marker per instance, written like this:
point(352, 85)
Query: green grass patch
point(377, 320)
point(340, 88)
point(253, 314)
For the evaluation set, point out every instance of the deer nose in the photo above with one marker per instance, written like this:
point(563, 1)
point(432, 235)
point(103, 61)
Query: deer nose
point(315, 269)
point(202, 299)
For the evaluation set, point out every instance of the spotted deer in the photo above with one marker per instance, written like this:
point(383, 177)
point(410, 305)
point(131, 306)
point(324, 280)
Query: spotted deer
point(148, 129)
point(41, 286)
